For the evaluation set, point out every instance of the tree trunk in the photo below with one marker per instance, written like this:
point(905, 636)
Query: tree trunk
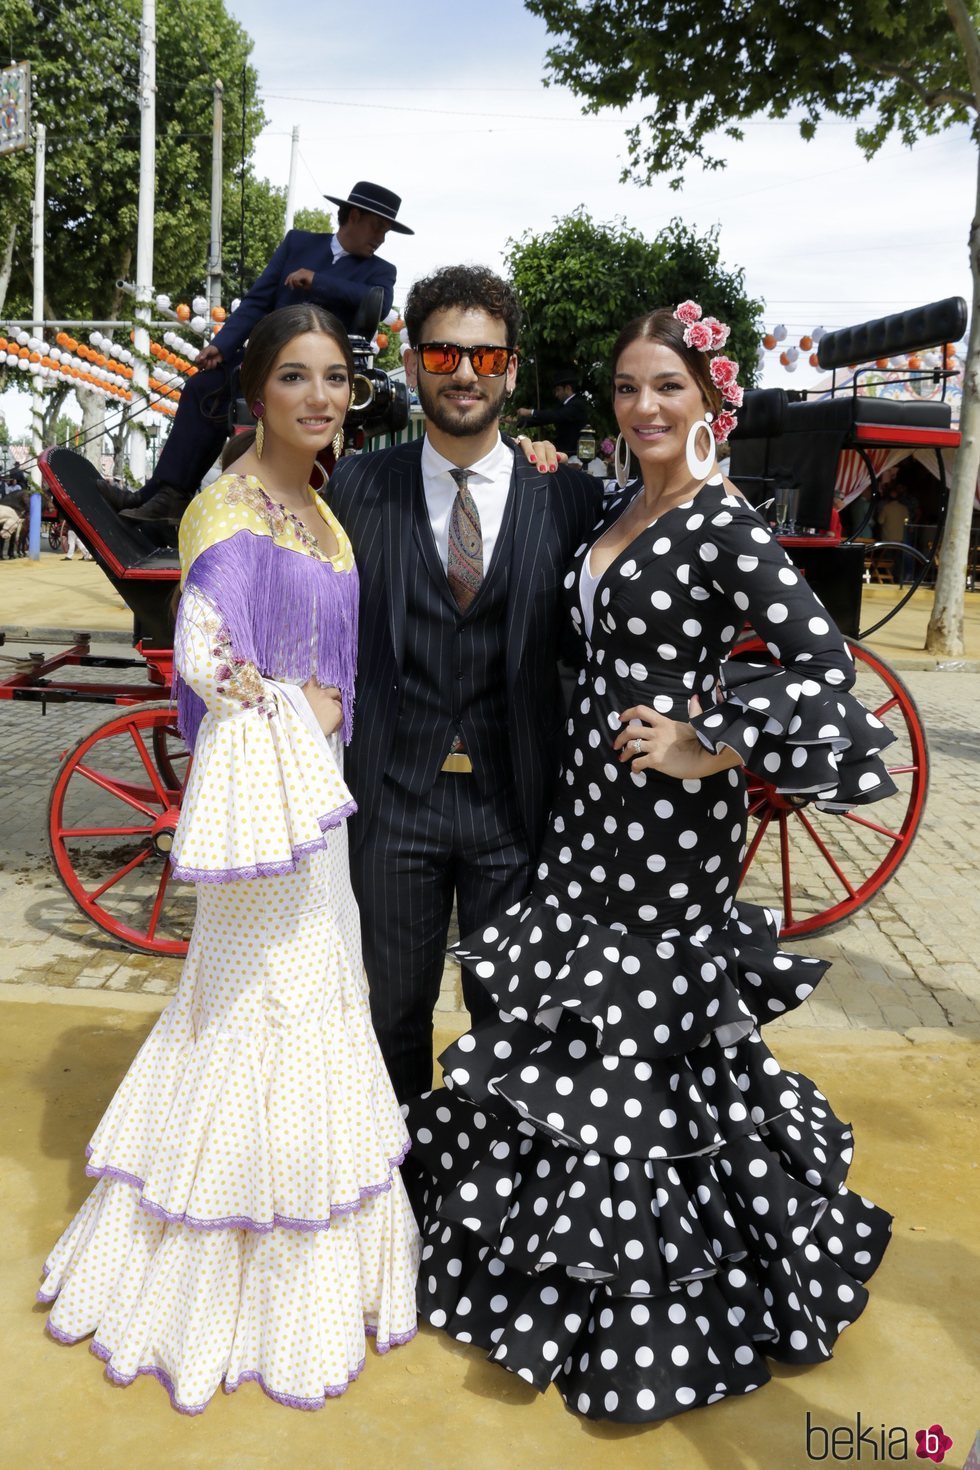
point(93, 407)
point(945, 633)
point(6, 264)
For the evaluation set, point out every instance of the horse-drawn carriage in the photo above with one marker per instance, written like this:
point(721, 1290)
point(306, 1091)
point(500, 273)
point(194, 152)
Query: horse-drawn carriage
point(116, 798)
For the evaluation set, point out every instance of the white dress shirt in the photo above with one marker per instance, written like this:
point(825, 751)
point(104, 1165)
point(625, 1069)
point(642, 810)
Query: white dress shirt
point(489, 484)
point(337, 250)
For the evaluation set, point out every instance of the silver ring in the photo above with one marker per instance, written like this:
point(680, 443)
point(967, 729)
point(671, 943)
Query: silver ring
point(637, 744)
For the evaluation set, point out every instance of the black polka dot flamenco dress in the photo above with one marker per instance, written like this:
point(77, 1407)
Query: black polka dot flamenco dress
point(620, 1189)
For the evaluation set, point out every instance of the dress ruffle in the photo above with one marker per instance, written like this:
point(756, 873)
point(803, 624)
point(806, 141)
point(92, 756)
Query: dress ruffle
point(249, 1219)
point(623, 1192)
point(118, 1270)
point(166, 1130)
point(262, 795)
point(801, 735)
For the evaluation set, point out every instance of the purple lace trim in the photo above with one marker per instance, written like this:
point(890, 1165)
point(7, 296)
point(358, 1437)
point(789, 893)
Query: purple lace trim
point(269, 870)
point(393, 1340)
point(252, 1375)
point(244, 1222)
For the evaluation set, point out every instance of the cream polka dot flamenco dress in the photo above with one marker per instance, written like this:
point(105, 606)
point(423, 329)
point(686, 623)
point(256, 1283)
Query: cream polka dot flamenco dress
point(249, 1220)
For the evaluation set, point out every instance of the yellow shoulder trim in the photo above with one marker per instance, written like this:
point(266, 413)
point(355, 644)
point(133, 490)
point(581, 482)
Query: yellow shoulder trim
point(233, 503)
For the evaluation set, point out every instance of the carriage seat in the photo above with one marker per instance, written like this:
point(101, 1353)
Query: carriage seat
point(123, 548)
point(848, 409)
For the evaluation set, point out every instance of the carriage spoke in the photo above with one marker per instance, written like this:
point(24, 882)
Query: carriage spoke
point(754, 846)
point(883, 709)
point(785, 869)
point(872, 826)
point(828, 855)
point(105, 831)
point(115, 788)
point(151, 927)
point(151, 770)
point(140, 857)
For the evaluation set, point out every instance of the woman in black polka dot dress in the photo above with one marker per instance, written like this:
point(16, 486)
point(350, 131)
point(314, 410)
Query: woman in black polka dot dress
point(620, 1189)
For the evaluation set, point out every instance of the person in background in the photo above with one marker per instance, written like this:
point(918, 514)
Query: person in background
point(569, 415)
point(335, 271)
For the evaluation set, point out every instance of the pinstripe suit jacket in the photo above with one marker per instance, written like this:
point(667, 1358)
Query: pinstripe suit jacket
point(372, 496)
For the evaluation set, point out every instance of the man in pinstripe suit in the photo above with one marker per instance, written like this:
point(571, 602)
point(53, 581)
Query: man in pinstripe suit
point(461, 546)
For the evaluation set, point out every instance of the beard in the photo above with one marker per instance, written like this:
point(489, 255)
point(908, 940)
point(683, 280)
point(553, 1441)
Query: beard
point(462, 423)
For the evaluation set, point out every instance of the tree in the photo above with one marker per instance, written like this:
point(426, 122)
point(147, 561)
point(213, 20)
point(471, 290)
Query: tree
point(580, 282)
point(914, 69)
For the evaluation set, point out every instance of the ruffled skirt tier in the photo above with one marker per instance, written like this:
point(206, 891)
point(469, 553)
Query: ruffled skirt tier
point(621, 1190)
point(250, 1221)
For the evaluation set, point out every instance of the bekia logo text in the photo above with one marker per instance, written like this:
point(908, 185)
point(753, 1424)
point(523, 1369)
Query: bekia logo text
point(873, 1442)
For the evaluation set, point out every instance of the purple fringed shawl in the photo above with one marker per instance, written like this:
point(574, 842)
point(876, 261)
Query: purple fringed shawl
point(290, 615)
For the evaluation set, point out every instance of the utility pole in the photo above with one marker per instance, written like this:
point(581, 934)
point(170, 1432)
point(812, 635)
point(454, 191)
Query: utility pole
point(291, 189)
point(217, 185)
point(37, 398)
point(144, 237)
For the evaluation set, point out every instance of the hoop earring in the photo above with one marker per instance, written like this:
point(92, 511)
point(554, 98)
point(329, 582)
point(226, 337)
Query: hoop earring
point(337, 444)
point(621, 462)
point(700, 469)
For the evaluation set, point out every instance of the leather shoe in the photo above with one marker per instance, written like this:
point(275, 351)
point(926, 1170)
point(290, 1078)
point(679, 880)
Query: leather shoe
point(167, 505)
point(115, 495)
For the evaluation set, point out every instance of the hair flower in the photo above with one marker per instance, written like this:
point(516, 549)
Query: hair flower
point(724, 372)
point(688, 312)
point(720, 333)
point(698, 336)
point(722, 425)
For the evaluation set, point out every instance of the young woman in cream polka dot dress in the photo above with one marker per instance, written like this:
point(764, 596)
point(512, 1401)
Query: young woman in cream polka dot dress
point(621, 1190)
point(250, 1220)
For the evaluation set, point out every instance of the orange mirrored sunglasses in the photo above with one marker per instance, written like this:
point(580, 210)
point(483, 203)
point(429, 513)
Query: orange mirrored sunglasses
point(445, 357)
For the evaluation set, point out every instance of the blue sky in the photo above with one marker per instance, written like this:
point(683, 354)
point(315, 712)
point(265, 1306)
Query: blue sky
point(445, 103)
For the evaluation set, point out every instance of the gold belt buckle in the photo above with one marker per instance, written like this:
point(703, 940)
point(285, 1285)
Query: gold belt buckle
point(459, 763)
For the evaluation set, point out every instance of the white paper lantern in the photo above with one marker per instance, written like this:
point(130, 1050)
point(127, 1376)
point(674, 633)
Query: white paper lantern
point(199, 305)
point(163, 303)
point(197, 324)
point(779, 333)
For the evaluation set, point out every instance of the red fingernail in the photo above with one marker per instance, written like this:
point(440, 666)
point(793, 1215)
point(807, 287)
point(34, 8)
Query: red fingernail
point(532, 458)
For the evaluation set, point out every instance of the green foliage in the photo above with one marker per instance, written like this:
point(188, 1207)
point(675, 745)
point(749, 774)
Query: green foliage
point(85, 62)
point(581, 282)
point(706, 69)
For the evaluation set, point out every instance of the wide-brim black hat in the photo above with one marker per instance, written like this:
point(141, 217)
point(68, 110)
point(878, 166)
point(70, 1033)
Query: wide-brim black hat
point(566, 376)
point(377, 200)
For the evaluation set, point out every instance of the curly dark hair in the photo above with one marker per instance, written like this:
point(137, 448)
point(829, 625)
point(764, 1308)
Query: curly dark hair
point(466, 287)
point(663, 327)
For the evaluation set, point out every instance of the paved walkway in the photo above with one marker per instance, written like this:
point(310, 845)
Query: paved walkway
point(905, 962)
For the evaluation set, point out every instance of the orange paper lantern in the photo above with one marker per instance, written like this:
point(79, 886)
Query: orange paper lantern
point(806, 343)
point(183, 313)
point(813, 360)
point(784, 359)
point(768, 341)
point(218, 314)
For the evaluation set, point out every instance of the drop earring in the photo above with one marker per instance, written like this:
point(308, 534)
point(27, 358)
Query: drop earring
point(700, 468)
point(258, 409)
point(621, 462)
point(337, 444)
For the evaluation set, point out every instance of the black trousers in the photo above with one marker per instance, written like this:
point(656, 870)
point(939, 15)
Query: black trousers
point(420, 853)
point(199, 431)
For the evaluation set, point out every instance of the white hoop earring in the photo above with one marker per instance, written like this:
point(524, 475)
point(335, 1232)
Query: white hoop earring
point(621, 462)
point(700, 469)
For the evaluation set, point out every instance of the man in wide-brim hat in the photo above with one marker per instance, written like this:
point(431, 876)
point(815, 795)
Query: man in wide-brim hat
point(335, 271)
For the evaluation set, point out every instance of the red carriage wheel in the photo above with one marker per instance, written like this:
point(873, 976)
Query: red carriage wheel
point(821, 867)
point(111, 821)
point(171, 754)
